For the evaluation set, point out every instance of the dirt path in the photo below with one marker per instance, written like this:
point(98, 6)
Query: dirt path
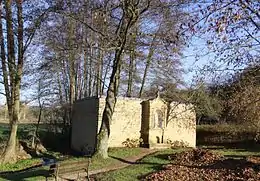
point(123, 162)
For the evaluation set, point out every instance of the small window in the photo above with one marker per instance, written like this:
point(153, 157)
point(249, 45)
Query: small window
point(158, 119)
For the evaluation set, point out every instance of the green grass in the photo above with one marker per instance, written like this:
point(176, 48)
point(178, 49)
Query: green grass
point(22, 164)
point(3, 130)
point(37, 174)
point(22, 132)
point(238, 153)
point(97, 162)
point(155, 162)
point(147, 165)
point(27, 175)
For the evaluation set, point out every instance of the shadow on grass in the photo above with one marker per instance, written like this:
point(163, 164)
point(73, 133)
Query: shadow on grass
point(21, 176)
point(151, 165)
point(242, 146)
point(141, 163)
point(163, 156)
point(136, 160)
point(229, 139)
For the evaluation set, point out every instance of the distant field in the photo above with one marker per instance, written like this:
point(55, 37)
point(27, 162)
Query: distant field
point(226, 135)
point(23, 130)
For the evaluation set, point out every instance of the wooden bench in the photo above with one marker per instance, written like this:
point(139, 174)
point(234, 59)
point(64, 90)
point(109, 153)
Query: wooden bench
point(71, 167)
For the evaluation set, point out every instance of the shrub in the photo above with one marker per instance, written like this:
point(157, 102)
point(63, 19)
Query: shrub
point(132, 143)
point(177, 144)
point(257, 137)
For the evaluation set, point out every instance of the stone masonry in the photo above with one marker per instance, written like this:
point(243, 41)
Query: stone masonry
point(154, 120)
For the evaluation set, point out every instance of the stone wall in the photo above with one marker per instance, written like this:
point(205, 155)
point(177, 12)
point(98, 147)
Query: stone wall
point(176, 124)
point(126, 120)
point(158, 112)
point(84, 125)
point(181, 124)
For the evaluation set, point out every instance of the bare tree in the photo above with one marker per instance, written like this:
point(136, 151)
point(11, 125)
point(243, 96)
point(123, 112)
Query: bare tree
point(12, 76)
point(130, 12)
point(17, 41)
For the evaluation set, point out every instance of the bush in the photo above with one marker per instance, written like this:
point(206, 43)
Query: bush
point(177, 144)
point(132, 143)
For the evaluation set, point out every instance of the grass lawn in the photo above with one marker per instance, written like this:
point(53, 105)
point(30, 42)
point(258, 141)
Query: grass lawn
point(238, 153)
point(155, 161)
point(148, 164)
point(38, 173)
point(97, 162)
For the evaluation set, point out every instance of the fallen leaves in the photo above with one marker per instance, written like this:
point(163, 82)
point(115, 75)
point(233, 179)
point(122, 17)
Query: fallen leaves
point(205, 165)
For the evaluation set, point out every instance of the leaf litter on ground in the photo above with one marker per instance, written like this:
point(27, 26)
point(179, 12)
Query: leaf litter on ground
point(206, 165)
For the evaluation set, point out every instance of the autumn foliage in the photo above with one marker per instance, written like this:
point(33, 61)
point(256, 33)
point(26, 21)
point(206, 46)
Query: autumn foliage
point(199, 164)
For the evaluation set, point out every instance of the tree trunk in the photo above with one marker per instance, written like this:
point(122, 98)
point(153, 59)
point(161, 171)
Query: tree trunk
point(72, 73)
point(90, 73)
point(15, 73)
point(99, 72)
point(10, 53)
point(147, 66)
point(85, 73)
point(36, 136)
point(130, 74)
point(5, 71)
point(109, 107)
point(127, 20)
point(148, 62)
point(65, 80)
point(59, 88)
point(9, 155)
point(105, 75)
point(131, 68)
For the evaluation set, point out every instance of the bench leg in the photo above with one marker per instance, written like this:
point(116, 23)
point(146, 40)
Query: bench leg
point(78, 176)
point(50, 178)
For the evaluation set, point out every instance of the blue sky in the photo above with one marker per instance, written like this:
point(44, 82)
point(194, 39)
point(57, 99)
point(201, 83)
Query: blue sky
point(194, 58)
point(191, 66)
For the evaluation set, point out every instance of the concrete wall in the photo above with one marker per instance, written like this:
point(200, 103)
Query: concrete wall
point(126, 121)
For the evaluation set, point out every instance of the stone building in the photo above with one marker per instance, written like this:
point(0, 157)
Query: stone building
point(154, 120)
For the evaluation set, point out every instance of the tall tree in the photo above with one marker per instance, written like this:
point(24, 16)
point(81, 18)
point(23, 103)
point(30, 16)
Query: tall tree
point(14, 43)
point(130, 12)
point(12, 75)
point(110, 39)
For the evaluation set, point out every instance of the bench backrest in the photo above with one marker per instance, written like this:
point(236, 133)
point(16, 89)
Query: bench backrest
point(68, 167)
